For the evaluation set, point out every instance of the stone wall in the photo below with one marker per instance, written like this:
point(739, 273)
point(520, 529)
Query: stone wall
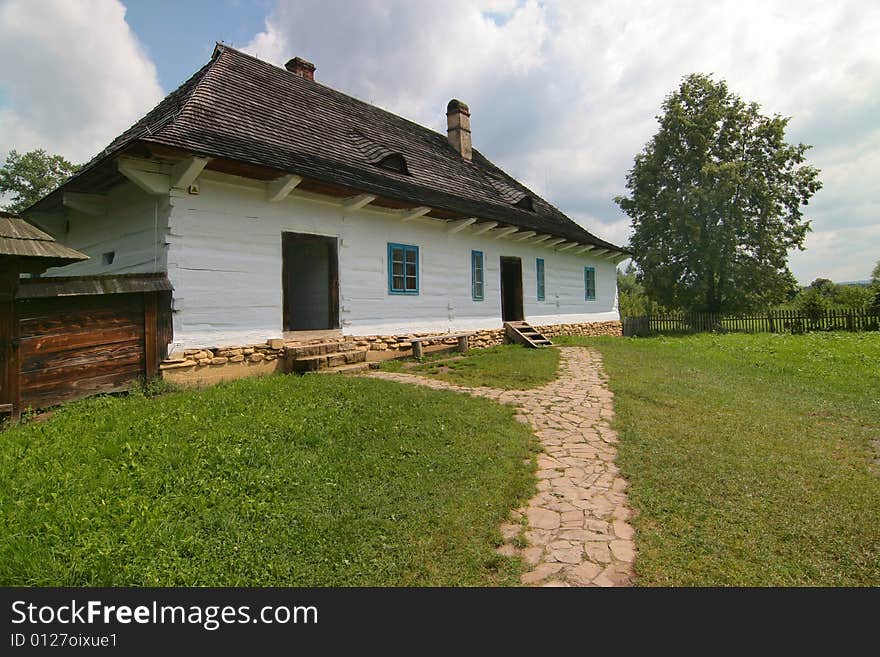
point(214, 364)
point(592, 329)
point(479, 340)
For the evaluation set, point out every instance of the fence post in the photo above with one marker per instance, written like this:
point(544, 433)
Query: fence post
point(151, 342)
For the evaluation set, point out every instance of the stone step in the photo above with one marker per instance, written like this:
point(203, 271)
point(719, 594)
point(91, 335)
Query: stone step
point(347, 369)
point(323, 361)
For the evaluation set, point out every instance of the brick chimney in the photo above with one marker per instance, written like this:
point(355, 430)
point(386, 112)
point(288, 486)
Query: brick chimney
point(458, 128)
point(302, 68)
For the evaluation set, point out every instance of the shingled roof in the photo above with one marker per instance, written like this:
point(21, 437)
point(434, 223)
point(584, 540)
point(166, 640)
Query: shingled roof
point(19, 239)
point(238, 107)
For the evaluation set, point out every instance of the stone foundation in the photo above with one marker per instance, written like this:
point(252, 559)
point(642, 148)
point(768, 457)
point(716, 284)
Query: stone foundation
point(401, 343)
point(593, 329)
point(214, 364)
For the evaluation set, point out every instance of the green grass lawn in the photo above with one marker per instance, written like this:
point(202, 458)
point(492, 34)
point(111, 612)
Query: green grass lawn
point(508, 367)
point(750, 457)
point(284, 480)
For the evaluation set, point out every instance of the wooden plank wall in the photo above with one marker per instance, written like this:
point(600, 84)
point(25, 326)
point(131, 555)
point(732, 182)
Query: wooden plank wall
point(72, 347)
point(8, 363)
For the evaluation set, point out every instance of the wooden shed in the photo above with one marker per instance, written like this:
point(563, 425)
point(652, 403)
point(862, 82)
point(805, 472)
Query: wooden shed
point(67, 337)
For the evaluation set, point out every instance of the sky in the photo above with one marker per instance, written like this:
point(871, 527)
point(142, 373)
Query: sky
point(563, 93)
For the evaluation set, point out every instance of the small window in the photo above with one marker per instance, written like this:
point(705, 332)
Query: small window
point(525, 203)
point(394, 162)
point(539, 269)
point(108, 258)
point(403, 269)
point(477, 277)
point(589, 283)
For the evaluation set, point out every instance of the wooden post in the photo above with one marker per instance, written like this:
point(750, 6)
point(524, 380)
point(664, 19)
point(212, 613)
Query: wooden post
point(417, 349)
point(151, 342)
point(463, 343)
point(10, 389)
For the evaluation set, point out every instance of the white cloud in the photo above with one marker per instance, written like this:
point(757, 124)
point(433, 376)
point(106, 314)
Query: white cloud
point(563, 94)
point(73, 76)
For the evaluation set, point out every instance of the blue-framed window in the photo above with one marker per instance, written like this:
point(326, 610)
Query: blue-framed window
point(589, 283)
point(403, 269)
point(539, 269)
point(478, 278)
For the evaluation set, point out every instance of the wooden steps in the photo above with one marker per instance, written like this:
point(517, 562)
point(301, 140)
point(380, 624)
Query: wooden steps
point(330, 356)
point(523, 333)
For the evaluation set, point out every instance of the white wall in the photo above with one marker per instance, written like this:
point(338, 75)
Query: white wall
point(133, 227)
point(224, 261)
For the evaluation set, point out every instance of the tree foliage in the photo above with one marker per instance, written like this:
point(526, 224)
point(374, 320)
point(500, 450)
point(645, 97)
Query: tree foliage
point(715, 201)
point(875, 286)
point(631, 298)
point(29, 176)
point(822, 293)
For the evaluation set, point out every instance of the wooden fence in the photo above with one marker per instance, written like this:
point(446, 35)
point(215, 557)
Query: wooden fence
point(66, 338)
point(773, 321)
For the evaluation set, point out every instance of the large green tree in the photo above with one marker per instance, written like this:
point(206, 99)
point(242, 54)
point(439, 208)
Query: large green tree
point(715, 201)
point(27, 177)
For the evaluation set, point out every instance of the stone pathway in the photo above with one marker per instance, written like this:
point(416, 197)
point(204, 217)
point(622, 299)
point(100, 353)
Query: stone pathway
point(577, 525)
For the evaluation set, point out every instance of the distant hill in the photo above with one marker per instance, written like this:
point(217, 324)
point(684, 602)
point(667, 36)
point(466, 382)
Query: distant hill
point(864, 283)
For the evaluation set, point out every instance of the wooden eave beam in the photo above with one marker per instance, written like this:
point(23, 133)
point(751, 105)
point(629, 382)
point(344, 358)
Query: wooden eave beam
point(92, 204)
point(152, 182)
point(485, 227)
point(413, 213)
point(526, 235)
point(185, 172)
point(359, 201)
point(461, 224)
point(567, 246)
point(541, 238)
point(278, 190)
point(554, 242)
point(584, 249)
point(504, 232)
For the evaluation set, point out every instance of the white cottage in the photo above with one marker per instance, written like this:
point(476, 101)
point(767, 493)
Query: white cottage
point(278, 206)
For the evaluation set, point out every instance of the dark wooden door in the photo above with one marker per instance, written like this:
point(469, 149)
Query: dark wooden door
point(511, 290)
point(310, 282)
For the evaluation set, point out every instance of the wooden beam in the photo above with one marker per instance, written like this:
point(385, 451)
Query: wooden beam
point(151, 328)
point(153, 183)
point(413, 213)
point(584, 248)
point(554, 242)
point(599, 252)
point(485, 228)
point(460, 225)
point(541, 238)
point(359, 201)
point(504, 232)
point(567, 246)
point(526, 235)
point(277, 190)
point(185, 172)
point(93, 204)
